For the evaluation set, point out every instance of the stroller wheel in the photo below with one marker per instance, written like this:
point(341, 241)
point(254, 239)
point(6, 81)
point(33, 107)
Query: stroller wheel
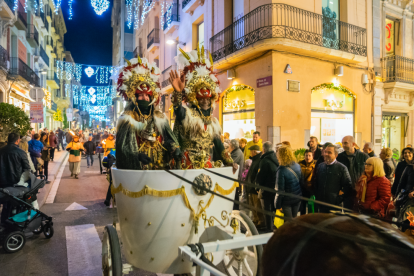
point(14, 242)
point(48, 231)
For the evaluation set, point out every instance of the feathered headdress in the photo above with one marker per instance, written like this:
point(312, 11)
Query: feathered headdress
point(139, 77)
point(201, 82)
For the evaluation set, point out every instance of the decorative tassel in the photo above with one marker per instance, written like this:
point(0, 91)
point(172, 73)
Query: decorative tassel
point(211, 60)
point(127, 61)
point(185, 54)
point(198, 53)
point(203, 56)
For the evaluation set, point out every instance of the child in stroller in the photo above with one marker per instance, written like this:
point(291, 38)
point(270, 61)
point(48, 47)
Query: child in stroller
point(22, 218)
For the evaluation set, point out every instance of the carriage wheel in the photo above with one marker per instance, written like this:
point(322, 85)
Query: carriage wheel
point(111, 253)
point(246, 260)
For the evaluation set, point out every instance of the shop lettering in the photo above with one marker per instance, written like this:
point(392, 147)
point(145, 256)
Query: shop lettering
point(264, 81)
point(235, 104)
point(334, 104)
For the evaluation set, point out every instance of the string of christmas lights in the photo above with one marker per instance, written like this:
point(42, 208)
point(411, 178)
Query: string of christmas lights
point(69, 71)
point(70, 9)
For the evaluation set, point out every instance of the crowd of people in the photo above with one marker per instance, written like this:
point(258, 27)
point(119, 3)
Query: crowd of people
point(341, 175)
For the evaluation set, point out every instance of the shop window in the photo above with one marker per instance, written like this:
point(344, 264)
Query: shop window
point(389, 37)
point(200, 34)
point(238, 109)
point(330, 12)
point(394, 129)
point(332, 116)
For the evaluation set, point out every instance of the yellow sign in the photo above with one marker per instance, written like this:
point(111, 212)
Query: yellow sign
point(389, 37)
point(330, 99)
point(238, 101)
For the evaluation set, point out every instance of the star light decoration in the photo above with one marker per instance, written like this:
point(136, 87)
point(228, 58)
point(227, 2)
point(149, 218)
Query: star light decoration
point(100, 6)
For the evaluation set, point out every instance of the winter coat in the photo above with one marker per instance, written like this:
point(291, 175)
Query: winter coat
point(287, 181)
point(75, 151)
point(398, 174)
point(52, 140)
point(317, 154)
point(13, 162)
point(251, 175)
point(238, 158)
point(60, 134)
point(249, 144)
point(407, 179)
point(377, 196)
point(389, 169)
point(328, 180)
point(307, 173)
point(35, 148)
point(372, 154)
point(45, 152)
point(89, 147)
point(358, 167)
point(266, 176)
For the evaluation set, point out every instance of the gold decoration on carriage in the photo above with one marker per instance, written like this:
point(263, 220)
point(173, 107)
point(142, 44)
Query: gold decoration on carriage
point(180, 191)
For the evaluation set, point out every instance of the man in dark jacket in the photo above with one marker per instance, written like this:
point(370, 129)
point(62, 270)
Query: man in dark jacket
point(255, 154)
point(68, 137)
point(331, 181)
point(90, 149)
point(105, 135)
point(368, 149)
point(238, 158)
point(266, 176)
point(354, 161)
point(60, 135)
point(13, 162)
point(314, 147)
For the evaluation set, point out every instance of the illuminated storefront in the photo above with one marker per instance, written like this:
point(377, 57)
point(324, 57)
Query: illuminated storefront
point(238, 112)
point(332, 115)
point(394, 131)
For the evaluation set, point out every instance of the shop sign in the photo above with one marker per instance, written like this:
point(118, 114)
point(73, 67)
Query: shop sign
point(389, 36)
point(264, 81)
point(54, 106)
point(36, 112)
point(293, 86)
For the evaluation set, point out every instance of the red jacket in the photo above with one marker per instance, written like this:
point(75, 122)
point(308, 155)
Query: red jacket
point(52, 140)
point(378, 195)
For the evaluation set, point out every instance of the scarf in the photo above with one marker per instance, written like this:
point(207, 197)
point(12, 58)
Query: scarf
point(143, 106)
point(362, 188)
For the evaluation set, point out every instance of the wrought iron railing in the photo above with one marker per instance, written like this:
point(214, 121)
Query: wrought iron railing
point(184, 3)
point(153, 37)
point(21, 14)
point(397, 69)
point(43, 55)
point(18, 67)
point(52, 76)
point(4, 57)
point(285, 21)
point(172, 14)
point(32, 33)
point(166, 74)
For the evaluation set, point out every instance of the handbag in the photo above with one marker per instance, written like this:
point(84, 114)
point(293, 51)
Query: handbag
point(401, 198)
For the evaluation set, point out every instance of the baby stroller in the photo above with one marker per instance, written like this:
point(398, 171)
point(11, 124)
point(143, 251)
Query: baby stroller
point(22, 218)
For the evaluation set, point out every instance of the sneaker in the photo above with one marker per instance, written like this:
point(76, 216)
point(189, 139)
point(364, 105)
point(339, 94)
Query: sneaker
point(76, 176)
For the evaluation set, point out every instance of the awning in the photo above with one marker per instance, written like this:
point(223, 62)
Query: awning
point(21, 95)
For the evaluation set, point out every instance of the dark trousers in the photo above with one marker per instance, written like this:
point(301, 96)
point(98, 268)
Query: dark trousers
point(269, 205)
point(52, 153)
point(291, 211)
point(302, 208)
point(108, 193)
point(5, 212)
point(46, 169)
point(60, 142)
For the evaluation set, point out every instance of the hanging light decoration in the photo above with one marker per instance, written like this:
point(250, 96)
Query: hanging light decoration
point(41, 6)
point(129, 12)
point(89, 71)
point(70, 9)
point(57, 5)
point(100, 6)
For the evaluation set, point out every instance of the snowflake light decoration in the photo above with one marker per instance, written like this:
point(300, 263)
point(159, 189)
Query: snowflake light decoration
point(91, 91)
point(89, 71)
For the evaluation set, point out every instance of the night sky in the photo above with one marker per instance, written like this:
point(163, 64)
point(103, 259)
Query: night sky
point(89, 36)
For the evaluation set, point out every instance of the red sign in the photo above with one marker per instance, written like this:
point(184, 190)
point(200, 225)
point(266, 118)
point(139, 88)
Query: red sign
point(264, 81)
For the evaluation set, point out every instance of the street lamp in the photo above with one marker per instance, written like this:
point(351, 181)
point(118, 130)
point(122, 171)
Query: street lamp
point(172, 41)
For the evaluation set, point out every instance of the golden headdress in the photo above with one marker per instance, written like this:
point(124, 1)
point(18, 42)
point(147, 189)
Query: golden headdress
point(137, 77)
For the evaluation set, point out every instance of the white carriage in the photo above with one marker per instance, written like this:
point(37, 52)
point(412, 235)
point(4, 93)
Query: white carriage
point(159, 213)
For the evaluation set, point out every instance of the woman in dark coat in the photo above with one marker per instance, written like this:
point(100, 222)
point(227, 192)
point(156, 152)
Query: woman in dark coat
point(407, 155)
point(407, 184)
point(44, 138)
point(373, 189)
point(53, 144)
point(288, 180)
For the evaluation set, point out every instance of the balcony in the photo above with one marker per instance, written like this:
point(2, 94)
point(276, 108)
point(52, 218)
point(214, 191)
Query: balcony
point(44, 56)
point(165, 84)
point(21, 22)
point(21, 69)
point(52, 80)
point(138, 51)
point(4, 58)
point(189, 6)
point(287, 28)
point(171, 22)
point(398, 76)
point(32, 36)
point(153, 40)
point(6, 10)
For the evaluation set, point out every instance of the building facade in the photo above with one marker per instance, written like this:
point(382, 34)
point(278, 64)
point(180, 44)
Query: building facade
point(295, 69)
point(31, 40)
